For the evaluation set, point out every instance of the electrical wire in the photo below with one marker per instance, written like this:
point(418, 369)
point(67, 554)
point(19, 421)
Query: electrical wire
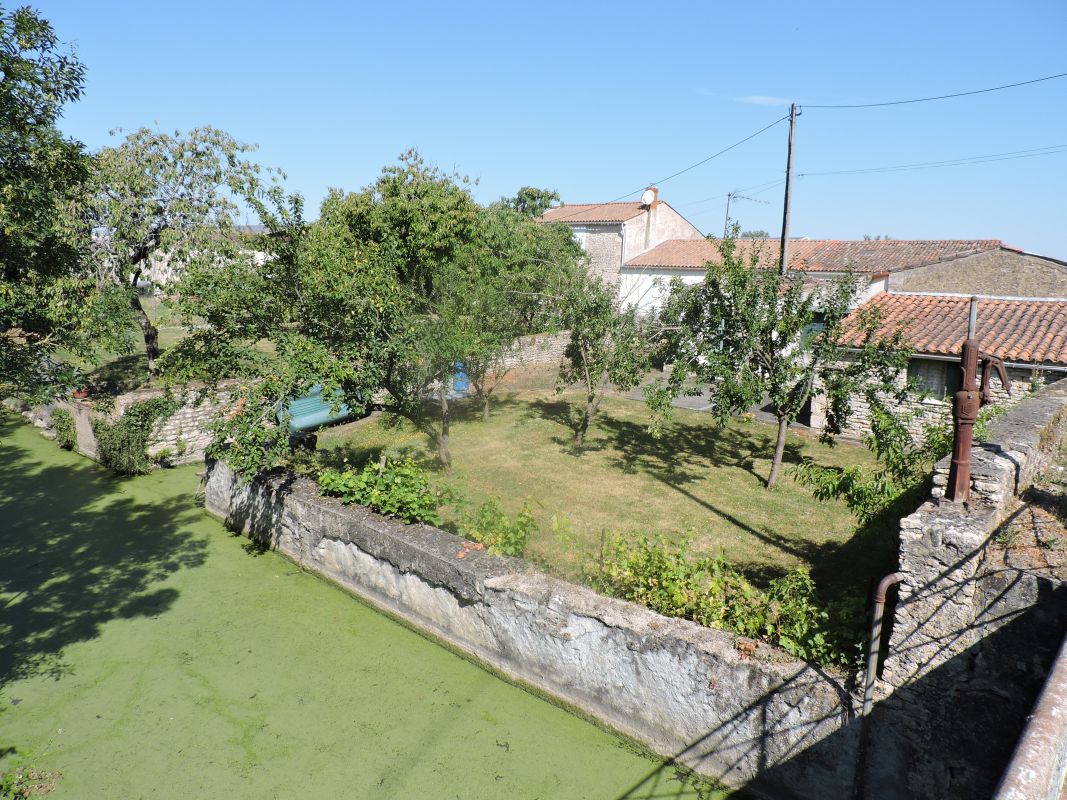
point(676, 174)
point(940, 96)
point(955, 162)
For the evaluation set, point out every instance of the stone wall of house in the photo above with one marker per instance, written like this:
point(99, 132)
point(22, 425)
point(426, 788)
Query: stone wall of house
point(923, 412)
point(977, 624)
point(185, 434)
point(604, 247)
point(540, 348)
point(994, 272)
point(714, 701)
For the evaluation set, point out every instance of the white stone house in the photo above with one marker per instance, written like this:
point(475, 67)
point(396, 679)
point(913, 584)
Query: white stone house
point(614, 234)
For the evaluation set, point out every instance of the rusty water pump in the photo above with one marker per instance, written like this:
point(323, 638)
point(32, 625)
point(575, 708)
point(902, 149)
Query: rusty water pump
point(965, 405)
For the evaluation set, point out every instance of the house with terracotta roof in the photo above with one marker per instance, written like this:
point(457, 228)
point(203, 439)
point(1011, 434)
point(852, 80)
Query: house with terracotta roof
point(614, 233)
point(1028, 334)
point(977, 266)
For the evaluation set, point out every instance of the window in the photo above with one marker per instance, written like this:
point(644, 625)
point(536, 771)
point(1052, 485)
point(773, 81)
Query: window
point(938, 379)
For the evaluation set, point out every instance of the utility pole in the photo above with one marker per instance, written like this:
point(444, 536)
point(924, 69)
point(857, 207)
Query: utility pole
point(784, 265)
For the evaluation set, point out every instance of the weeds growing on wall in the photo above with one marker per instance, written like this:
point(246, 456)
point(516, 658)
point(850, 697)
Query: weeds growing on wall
point(122, 446)
point(399, 488)
point(63, 425)
point(664, 577)
point(500, 533)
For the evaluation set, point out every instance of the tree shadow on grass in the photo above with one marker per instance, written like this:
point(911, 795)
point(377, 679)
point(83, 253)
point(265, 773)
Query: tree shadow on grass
point(75, 553)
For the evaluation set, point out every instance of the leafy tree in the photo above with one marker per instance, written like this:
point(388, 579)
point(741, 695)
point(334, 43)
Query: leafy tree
point(608, 345)
point(377, 301)
point(521, 266)
point(757, 234)
point(162, 198)
point(753, 334)
point(47, 303)
point(532, 202)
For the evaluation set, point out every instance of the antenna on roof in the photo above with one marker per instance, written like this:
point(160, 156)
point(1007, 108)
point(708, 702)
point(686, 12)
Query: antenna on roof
point(736, 194)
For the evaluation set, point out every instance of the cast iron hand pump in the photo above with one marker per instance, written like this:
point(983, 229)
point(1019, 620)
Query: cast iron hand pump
point(965, 405)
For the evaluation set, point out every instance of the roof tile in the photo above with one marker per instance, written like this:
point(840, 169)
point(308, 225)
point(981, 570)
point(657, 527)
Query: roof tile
point(1027, 331)
point(593, 212)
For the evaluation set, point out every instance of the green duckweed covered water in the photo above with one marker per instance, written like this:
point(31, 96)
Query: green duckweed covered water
point(146, 653)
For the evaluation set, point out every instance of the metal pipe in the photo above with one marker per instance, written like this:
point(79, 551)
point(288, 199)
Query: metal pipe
point(876, 637)
point(972, 321)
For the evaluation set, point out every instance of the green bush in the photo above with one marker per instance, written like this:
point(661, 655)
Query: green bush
point(63, 425)
point(398, 489)
point(500, 533)
point(662, 576)
point(122, 445)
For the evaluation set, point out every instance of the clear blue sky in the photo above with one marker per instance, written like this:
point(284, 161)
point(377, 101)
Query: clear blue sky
point(597, 99)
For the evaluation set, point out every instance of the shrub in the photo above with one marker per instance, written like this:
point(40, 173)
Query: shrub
point(122, 445)
point(398, 489)
point(63, 425)
point(500, 533)
point(662, 576)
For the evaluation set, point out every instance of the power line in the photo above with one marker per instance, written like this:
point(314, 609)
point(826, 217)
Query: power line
point(759, 188)
point(679, 172)
point(941, 96)
point(955, 162)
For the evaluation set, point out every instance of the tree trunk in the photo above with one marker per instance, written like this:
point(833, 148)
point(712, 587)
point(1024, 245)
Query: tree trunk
point(485, 408)
point(779, 452)
point(151, 333)
point(443, 454)
point(583, 426)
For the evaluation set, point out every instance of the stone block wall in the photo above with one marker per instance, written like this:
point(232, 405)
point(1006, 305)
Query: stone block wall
point(928, 411)
point(541, 348)
point(714, 701)
point(999, 272)
point(186, 430)
point(976, 625)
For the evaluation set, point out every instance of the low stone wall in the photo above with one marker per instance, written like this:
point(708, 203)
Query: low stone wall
point(185, 434)
point(977, 622)
point(721, 704)
point(542, 348)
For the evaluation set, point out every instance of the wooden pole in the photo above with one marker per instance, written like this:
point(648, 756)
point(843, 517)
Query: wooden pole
point(784, 264)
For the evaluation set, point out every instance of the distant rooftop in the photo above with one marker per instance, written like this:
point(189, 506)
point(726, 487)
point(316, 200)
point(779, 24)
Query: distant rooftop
point(819, 255)
point(593, 212)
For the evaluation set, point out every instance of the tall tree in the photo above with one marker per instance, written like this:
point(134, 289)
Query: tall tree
point(751, 335)
point(47, 302)
point(531, 201)
point(159, 198)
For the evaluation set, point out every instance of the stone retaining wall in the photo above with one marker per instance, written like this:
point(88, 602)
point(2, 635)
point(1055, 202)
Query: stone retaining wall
point(185, 434)
point(714, 701)
point(978, 620)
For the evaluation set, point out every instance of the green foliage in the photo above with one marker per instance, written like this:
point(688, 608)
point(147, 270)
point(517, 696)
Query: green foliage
point(987, 415)
point(63, 425)
point(379, 298)
point(904, 464)
point(664, 577)
point(753, 334)
point(398, 489)
point(48, 302)
point(500, 533)
point(608, 344)
point(532, 202)
point(122, 445)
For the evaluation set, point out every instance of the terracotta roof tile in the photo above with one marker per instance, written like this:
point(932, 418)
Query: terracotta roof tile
point(593, 212)
point(1023, 331)
point(818, 255)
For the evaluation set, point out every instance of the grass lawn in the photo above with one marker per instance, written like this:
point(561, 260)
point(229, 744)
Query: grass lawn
point(147, 653)
point(695, 478)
